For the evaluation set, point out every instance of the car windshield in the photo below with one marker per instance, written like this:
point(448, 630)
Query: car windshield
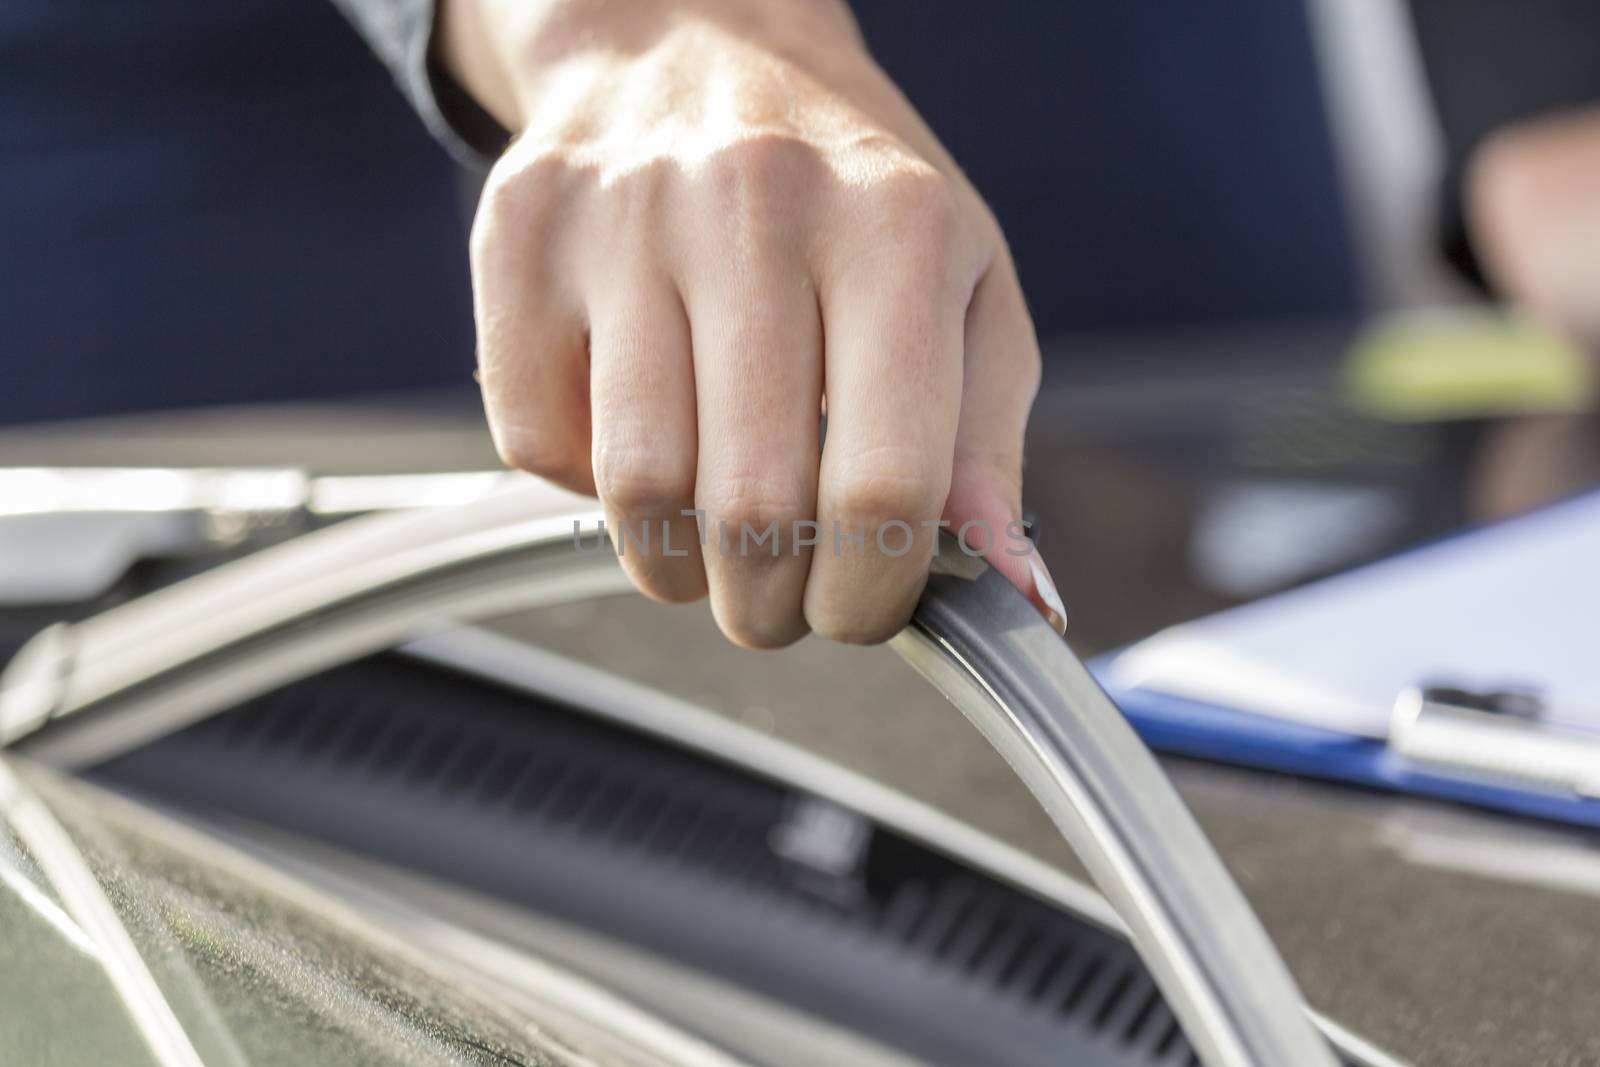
point(135, 942)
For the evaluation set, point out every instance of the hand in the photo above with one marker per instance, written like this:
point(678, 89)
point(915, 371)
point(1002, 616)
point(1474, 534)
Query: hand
point(1535, 219)
point(1535, 222)
point(718, 220)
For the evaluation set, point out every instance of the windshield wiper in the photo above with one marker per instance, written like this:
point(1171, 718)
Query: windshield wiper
point(82, 693)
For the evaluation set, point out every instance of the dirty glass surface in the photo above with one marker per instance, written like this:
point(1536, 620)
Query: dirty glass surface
point(217, 961)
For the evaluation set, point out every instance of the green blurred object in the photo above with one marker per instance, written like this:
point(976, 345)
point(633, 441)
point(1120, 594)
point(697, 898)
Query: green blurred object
point(1463, 364)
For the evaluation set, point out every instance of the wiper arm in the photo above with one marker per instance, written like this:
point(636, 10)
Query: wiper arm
point(986, 648)
point(69, 534)
point(83, 693)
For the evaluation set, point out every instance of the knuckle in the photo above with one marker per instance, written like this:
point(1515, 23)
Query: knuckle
point(751, 630)
point(756, 178)
point(879, 493)
point(642, 483)
point(857, 628)
point(668, 580)
point(752, 504)
point(501, 212)
point(519, 199)
point(918, 207)
point(999, 468)
point(538, 453)
point(758, 340)
point(505, 197)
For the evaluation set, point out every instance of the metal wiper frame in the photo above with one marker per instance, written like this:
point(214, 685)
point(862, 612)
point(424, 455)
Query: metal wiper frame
point(82, 693)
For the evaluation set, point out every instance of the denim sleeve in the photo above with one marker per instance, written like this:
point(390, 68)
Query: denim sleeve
point(399, 32)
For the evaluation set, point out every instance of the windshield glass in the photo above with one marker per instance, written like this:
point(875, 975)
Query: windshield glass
point(130, 941)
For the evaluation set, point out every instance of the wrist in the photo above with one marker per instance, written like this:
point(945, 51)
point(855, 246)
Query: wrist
point(501, 51)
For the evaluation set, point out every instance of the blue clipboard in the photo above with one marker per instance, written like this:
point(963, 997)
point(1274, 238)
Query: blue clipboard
point(1194, 723)
point(1225, 735)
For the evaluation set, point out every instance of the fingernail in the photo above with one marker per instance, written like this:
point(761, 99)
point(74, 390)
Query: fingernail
point(1055, 610)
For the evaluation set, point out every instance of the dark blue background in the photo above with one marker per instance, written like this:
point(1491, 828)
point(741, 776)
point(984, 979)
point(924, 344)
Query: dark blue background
point(209, 202)
point(1153, 162)
point(213, 201)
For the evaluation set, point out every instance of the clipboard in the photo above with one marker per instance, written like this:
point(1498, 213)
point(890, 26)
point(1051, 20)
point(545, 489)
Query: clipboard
point(1467, 670)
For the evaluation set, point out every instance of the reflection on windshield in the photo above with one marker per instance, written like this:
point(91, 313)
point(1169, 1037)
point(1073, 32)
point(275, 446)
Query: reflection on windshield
point(27, 885)
point(212, 960)
point(85, 910)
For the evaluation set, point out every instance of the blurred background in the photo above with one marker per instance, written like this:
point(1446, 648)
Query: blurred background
point(1271, 350)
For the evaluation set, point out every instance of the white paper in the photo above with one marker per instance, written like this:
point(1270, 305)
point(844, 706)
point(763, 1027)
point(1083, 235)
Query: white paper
point(1511, 605)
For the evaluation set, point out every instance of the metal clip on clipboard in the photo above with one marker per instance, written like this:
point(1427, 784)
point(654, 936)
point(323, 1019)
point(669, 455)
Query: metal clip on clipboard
point(1494, 735)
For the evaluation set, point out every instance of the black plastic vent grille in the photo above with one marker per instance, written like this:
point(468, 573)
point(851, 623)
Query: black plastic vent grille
point(1033, 962)
point(551, 808)
point(569, 775)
